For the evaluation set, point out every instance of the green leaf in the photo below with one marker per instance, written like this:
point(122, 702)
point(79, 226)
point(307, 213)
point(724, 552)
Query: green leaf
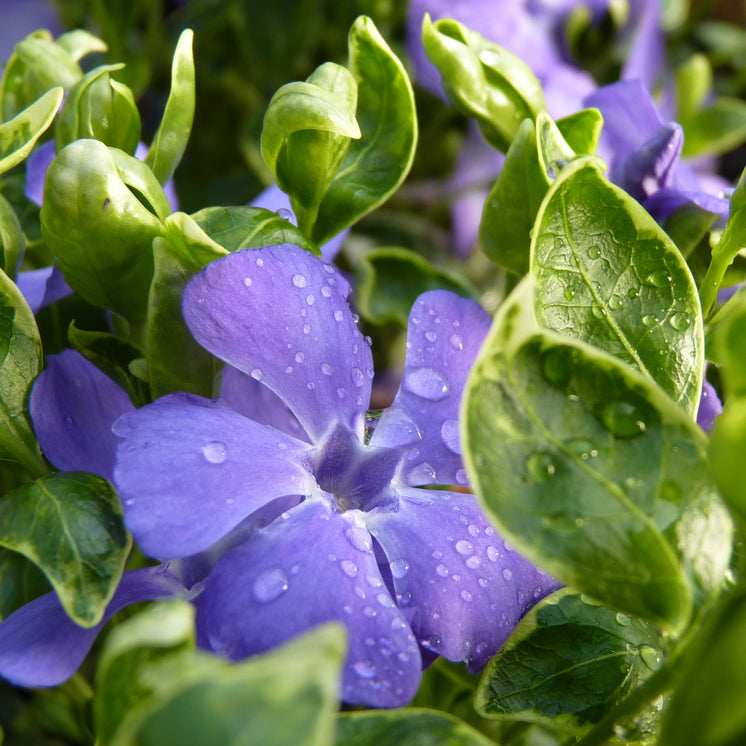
point(21, 581)
point(102, 209)
point(592, 471)
point(726, 450)
point(286, 696)
point(173, 132)
point(20, 362)
point(71, 525)
point(99, 108)
point(717, 129)
point(582, 130)
point(79, 43)
point(609, 275)
point(391, 279)
point(242, 227)
point(483, 80)
point(693, 81)
point(706, 707)
point(19, 135)
point(408, 725)
point(567, 664)
point(175, 361)
point(161, 629)
point(12, 240)
point(536, 155)
point(376, 164)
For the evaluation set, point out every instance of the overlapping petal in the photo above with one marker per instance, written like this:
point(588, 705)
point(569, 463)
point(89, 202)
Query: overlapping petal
point(311, 566)
point(41, 646)
point(73, 406)
point(710, 407)
point(43, 286)
point(191, 469)
point(443, 338)
point(462, 587)
point(281, 315)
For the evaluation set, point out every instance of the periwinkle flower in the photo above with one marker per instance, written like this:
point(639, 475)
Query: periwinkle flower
point(362, 518)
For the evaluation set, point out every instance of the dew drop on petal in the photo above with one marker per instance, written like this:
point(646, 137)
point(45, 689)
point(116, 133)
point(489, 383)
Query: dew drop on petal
point(385, 600)
point(247, 281)
point(449, 432)
point(360, 539)
point(299, 281)
point(399, 568)
point(326, 369)
point(215, 452)
point(492, 553)
point(442, 570)
point(259, 262)
point(466, 595)
point(269, 585)
point(464, 547)
point(456, 342)
point(299, 357)
point(473, 530)
point(358, 377)
point(423, 473)
point(256, 374)
point(365, 669)
point(461, 476)
point(431, 336)
point(349, 568)
point(473, 562)
point(426, 383)
point(338, 315)
point(507, 574)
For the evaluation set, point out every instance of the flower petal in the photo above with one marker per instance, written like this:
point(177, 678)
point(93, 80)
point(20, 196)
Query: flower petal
point(190, 469)
point(40, 287)
point(463, 587)
point(311, 566)
point(41, 646)
point(73, 405)
point(709, 407)
point(443, 338)
point(281, 315)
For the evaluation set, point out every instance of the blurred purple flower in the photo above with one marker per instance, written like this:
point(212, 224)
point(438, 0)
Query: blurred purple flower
point(709, 407)
point(349, 529)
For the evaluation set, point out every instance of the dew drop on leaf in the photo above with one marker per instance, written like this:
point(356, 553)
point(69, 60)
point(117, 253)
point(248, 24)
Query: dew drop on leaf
point(681, 321)
point(541, 466)
point(623, 419)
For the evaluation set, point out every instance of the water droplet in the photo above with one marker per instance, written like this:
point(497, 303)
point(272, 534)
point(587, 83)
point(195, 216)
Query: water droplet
point(431, 336)
point(370, 612)
point(69, 422)
point(473, 562)
point(385, 600)
point(464, 547)
point(443, 571)
point(449, 432)
point(541, 466)
point(623, 419)
point(616, 302)
point(326, 291)
point(358, 377)
point(374, 581)
point(269, 585)
point(650, 319)
point(461, 476)
point(338, 315)
point(427, 383)
point(310, 300)
point(681, 321)
point(594, 252)
point(557, 366)
point(349, 568)
point(360, 539)
point(399, 568)
point(259, 262)
point(598, 311)
point(456, 342)
point(215, 452)
point(247, 281)
point(651, 657)
point(341, 392)
point(256, 374)
point(285, 214)
point(299, 281)
point(306, 328)
point(492, 553)
point(299, 357)
point(569, 293)
point(326, 369)
point(623, 619)
point(659, 279)
point(365, 669)
point(507, 574)
point(582, 448)
point(466, 595)
point(423, 473)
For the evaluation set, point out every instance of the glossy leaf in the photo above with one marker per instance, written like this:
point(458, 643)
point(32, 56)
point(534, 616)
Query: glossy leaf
point(12, 240)
point(19, 135)
point(173, 132)
point(391, 279)
point(101, 211)
point(242, 227)
point(71, 525)
point(78, 43)
point(99, 108)
point(286, 696)
point(567, 664)
point(20, 362)
point(726, 451)
point(537, 153)
point(706, 706)
point(606, 273)
point(407, 725)
point(582, 130)
point(483, 80)
point(375, 164)
point(592, 471)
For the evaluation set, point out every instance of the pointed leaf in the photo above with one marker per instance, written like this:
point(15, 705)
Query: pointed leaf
point(71, 525)
point(12, 240)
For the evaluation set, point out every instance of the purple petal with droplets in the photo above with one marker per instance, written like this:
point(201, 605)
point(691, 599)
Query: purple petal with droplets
point(463, 588)
point(73, 406)
point(666, 201)
point(306, 347)
point(651, 166)
point(312, 566)
point(41, 646)
point(40, 287)
point(189, 470)
point(254, 400)
point(443, 338)
point(273, 198)
point(709, 407)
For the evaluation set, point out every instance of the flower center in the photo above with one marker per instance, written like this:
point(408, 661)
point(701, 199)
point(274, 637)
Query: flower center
point(357, 475)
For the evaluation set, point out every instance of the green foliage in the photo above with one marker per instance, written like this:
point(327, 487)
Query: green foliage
point(71, 525)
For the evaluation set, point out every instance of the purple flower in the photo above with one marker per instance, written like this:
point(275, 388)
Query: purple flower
point(709, 407)
point(350, 527)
